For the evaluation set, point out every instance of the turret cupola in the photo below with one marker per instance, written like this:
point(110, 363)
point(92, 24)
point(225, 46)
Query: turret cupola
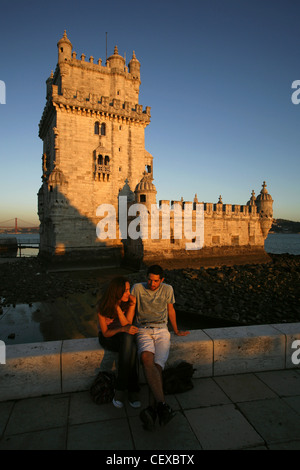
point(116, 62)
point(64, 48)
point(134, 66)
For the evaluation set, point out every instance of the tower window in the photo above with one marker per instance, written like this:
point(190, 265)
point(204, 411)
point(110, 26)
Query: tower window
point(96, 128)
point(103, 129)
point(143, 198)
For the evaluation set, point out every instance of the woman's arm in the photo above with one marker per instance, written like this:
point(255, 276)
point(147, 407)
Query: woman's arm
point(122, 317)
point(131, 310)
point(108, 333)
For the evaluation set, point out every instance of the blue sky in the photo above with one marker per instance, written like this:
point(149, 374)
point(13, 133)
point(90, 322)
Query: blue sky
point(217, 75)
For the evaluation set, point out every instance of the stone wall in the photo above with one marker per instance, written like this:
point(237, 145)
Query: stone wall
point(69, 366)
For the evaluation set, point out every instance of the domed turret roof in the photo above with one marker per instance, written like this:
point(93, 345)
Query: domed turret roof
point(57, 177)
point(64, 40)
point(116, 61)
point(145, 184)
point(264, 195)
point(133, 59)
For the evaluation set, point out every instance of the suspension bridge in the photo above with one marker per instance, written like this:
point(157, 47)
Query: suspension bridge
point(17, 225)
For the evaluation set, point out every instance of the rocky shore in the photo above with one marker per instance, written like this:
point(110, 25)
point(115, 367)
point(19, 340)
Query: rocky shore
point(242, 294)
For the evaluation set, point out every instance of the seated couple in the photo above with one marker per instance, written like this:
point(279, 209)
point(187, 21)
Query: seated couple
point(137, 322)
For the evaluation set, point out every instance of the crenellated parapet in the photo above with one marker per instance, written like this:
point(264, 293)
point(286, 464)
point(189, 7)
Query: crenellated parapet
point(214, 210)
point(103, 105)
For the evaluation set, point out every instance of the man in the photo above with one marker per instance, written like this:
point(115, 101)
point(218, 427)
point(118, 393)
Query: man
point(154, 306)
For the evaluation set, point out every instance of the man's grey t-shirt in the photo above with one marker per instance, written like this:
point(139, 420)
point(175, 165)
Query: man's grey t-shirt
point(152, 306)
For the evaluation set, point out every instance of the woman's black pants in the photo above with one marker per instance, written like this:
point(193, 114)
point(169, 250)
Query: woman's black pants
point(128, 370)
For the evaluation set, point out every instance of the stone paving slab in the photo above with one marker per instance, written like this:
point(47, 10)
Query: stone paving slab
point(244, 411)
point(284, 384)
point(223, 427)
point(176, 435)
point(205, 393)
point(244, 387)
point(273, 419)
point(113, 434)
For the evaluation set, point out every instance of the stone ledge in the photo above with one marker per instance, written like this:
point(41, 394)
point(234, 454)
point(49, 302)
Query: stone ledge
point(68, 366)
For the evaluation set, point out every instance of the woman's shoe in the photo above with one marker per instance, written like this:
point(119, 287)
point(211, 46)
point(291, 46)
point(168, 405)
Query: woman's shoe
point(118, 399)
point(133, 399)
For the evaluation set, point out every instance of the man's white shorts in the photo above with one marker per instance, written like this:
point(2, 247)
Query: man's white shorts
point(155, 340)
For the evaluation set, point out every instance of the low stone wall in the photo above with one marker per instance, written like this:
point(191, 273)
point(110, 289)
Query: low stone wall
point(68, 366)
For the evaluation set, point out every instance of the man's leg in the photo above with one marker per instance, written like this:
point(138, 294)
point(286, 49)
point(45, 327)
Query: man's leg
point(153, 373)
point(153, 363)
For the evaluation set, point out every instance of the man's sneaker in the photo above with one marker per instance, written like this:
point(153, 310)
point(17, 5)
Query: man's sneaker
point(148, 417)
point(133, 398)
point(165, 413)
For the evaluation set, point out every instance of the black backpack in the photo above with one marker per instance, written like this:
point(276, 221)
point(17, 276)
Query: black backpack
point(178, 379)
point(103, 387)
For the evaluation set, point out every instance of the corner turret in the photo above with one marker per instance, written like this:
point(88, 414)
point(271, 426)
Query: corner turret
point(116, 62)
point(264, 204)
point(134, 67)
point(64, 48)
point(145, 191)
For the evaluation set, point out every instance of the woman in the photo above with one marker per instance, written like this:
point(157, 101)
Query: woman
point(116, 311)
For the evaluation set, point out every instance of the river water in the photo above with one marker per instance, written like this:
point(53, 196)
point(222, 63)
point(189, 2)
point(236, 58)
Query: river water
point(283, 243)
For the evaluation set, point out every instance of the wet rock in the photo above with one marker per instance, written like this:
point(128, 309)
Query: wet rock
point(248, 294)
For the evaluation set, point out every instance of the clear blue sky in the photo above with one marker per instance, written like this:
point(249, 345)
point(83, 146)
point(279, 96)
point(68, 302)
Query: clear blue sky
point(216, 73)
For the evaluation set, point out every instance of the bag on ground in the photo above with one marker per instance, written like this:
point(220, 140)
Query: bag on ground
point(102, 389)
point(178, 379)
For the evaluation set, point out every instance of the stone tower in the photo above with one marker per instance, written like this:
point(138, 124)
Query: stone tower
point(92, 130)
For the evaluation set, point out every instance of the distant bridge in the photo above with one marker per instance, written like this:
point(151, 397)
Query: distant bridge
point(16, 225)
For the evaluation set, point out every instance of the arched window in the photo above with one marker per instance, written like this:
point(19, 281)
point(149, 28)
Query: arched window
point(100, 160)
point(97, 128)
point(103, 129)
point(106, 160)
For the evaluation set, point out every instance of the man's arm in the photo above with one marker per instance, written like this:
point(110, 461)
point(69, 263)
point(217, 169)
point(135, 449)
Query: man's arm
point(172, 318)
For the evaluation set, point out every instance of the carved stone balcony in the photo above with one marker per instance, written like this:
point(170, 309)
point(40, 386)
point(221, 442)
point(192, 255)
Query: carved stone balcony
point(103, 169)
